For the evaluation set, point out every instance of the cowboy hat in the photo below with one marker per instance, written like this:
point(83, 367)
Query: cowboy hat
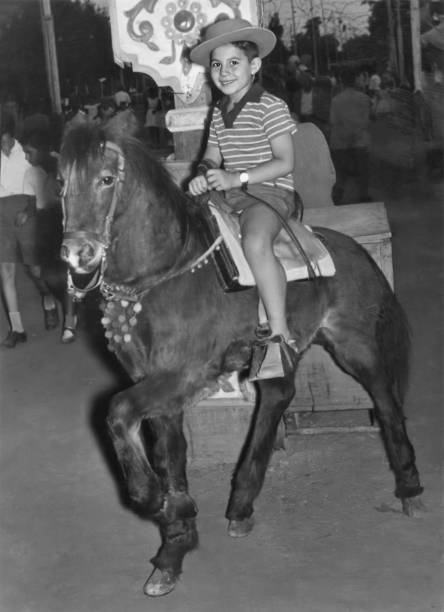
point(227, 31)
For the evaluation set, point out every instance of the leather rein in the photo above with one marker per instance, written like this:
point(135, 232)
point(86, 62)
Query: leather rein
point(112, 291)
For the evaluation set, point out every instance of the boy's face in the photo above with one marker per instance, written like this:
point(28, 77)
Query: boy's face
point(34, 156)
point(232, 72)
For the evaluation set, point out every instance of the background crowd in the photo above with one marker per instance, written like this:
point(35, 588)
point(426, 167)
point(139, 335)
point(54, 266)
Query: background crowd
point(341, 104)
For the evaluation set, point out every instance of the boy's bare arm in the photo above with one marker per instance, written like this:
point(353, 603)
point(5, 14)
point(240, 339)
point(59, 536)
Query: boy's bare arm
point(281, 165)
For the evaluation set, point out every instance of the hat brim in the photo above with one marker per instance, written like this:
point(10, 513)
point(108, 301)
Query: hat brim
point(264, 39)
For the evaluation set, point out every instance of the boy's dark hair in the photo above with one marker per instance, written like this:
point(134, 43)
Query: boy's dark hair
point(250, 49)
point(7, 125)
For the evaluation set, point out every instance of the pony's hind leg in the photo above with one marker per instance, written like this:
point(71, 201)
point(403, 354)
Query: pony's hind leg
point(382, 371)
point(274, 397)
point(177, 517)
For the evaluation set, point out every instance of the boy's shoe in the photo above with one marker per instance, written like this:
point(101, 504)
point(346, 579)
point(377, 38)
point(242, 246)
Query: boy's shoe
point(13, 338)
point(263, 330)
point(273, 357)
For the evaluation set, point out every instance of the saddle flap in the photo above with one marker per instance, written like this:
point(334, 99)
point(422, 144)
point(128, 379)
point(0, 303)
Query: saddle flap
point(284, 248)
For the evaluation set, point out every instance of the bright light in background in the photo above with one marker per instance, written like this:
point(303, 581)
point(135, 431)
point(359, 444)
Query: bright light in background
point(343, 18)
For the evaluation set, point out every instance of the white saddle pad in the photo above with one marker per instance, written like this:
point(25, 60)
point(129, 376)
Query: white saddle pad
point(285, 249)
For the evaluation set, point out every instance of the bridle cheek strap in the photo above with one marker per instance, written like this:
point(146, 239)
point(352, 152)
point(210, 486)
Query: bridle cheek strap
point(78, 293)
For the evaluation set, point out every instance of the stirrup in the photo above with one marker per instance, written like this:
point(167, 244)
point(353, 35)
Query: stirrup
point(273, 357)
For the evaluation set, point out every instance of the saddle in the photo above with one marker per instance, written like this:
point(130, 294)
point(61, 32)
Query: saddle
point(302, 255)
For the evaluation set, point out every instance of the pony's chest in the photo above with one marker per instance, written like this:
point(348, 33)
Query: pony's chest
point(121, 321)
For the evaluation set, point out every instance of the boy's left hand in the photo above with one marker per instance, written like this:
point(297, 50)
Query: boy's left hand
point(221, 180)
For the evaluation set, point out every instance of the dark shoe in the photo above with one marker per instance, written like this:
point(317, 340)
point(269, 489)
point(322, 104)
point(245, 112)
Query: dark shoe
point(273, 358)
point(13, 338)
point(51, 317)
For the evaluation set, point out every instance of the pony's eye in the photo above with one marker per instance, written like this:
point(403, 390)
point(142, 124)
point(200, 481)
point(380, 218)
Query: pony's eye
point(107, 180)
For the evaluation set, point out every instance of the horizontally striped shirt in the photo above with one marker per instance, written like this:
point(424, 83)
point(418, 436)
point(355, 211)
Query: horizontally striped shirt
point(244, 135)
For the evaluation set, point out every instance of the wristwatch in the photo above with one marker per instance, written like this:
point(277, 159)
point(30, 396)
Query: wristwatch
point(243, 177)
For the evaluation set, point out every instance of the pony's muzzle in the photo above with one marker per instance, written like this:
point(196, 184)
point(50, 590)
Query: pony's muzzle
point(82, 255)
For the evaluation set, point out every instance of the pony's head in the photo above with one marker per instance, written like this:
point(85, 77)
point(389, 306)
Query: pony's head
point(122, 211)
point(92, 171)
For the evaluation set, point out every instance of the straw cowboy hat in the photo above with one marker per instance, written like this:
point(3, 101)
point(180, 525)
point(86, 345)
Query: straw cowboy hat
point(226, 31)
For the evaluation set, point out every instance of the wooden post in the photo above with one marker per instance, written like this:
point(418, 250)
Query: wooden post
point(392, 38)
point(416, 44)
point(188, 145)
point(52, 70)
point(400, 41)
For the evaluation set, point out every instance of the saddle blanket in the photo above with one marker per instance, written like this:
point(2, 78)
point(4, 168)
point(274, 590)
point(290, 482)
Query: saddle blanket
point(284, 247)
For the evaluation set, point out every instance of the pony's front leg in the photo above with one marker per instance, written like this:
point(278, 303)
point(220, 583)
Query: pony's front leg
point(274, 396)
point(177, 517)
point(124, 423)
point(154, 467)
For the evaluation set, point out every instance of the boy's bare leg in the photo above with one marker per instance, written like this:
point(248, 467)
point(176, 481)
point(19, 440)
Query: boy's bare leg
point(259, 228)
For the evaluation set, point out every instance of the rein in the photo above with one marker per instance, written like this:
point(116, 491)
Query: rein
point(113, 291)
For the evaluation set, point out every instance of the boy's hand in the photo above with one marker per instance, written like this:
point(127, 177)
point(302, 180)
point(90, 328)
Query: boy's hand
point(221, 180)
point(198, 185)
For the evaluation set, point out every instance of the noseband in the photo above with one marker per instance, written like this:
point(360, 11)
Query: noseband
point(78, 293)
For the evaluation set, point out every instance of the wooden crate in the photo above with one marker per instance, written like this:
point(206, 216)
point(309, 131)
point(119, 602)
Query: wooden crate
point(217, 427)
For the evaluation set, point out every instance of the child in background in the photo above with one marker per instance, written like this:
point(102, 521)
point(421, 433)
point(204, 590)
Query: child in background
point(43, 177)
point(19, 240)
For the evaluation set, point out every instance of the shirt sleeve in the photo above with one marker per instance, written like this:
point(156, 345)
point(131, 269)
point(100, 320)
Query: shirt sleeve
point(277, 119)
point(29, 182)
point(212, 136)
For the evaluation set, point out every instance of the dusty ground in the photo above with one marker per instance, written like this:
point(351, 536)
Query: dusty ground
point(329, 536)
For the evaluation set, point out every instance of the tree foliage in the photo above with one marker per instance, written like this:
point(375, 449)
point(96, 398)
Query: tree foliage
point(84, 50)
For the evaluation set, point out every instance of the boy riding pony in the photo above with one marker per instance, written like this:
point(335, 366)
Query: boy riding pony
point(249, 156)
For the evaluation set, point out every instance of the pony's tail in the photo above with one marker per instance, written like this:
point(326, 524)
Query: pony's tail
point(393, 338)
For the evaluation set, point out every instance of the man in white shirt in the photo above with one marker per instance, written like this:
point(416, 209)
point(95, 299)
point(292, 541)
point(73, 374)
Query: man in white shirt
point(18, 234)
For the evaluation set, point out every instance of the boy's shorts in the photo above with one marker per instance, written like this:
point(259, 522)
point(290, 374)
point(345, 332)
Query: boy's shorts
point(285, 202)
point(18, 244)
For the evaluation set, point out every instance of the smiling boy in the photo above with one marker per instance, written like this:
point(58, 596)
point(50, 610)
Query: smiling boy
point(249, 154)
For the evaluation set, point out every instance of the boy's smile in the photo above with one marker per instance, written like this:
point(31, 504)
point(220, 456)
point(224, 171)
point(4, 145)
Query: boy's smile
point(232, 72)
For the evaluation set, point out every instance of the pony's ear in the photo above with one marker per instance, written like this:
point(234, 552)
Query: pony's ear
point(124, 123)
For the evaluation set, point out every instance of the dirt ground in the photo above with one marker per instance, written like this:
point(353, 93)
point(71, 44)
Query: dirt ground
point(329, 535)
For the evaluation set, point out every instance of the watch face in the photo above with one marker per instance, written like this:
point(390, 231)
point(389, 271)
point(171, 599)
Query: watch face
point(243, 177)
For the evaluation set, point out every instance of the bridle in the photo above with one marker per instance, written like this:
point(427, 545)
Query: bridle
point(112, 291)
point(78, 293)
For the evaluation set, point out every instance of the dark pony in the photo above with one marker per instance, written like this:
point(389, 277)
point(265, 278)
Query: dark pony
point(134, 234)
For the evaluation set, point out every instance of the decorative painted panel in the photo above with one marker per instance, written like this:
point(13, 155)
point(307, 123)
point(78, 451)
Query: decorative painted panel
point(155, 37)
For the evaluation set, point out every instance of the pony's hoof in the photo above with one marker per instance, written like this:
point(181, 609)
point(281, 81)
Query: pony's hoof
point(413, 507)
point(161, 582)
point(240, 529)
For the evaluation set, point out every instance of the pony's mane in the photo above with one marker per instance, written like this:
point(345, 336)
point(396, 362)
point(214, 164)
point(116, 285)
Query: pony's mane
point(142, 170)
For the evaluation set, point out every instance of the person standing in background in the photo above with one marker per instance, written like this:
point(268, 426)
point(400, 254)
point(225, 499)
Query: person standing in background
point(18, 233)
point(350, 115)
point(37, 148)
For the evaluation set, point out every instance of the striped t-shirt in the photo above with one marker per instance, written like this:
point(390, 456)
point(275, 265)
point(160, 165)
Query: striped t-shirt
point(244, 141)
